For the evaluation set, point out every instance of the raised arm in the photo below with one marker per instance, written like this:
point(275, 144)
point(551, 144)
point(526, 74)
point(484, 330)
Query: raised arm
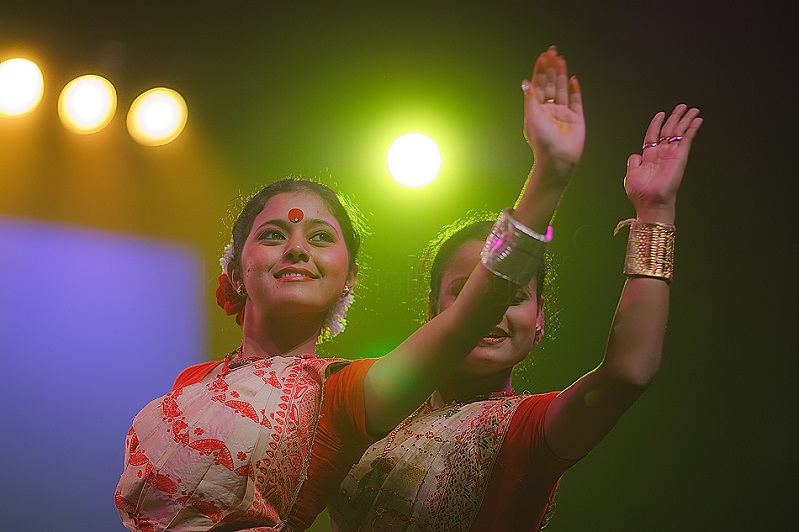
point(585, 412)
point(555, 130)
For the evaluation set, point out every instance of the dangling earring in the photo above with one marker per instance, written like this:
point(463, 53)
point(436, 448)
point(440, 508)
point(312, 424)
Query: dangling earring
point(336, 319)
point(240, 290)
point(539, 332)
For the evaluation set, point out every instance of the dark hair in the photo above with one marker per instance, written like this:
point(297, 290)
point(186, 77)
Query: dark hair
point(352, 223)
point(439, 251)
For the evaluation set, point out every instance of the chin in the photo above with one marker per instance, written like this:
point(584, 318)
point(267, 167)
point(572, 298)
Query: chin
point(485, 361)
point(299, 305)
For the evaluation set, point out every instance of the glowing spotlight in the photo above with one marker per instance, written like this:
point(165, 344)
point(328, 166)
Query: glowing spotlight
point(87, 104)
point(414, 160)
point(157, 117)
point(21, 87)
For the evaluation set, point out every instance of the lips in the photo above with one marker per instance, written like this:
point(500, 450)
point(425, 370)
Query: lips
point(295, 275)
point(496, 336)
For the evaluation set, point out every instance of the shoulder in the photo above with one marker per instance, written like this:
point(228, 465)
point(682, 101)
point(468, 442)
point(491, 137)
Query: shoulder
point(341, 369)
point(344, 403)
point(526, 435)
point(194, 373)
point(535, 404)
point(527, 424)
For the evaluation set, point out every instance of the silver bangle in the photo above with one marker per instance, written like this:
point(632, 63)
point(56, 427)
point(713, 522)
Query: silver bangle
point(513, 251)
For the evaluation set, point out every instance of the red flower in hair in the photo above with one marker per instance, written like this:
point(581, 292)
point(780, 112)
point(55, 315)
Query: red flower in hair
point(230, 300)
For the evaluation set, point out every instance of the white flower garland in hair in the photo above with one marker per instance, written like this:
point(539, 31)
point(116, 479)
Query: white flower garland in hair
point(225, 259)
point(336, 320)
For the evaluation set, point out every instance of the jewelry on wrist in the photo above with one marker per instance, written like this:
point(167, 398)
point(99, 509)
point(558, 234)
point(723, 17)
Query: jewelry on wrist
point(513, 251)
point(650, 249)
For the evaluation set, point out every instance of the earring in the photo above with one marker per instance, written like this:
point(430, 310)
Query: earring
point(240, 290)
point(539, 332)
point(345, 292)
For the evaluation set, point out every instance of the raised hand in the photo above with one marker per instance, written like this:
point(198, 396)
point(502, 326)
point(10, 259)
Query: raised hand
point(553, 113)
point(654, 176)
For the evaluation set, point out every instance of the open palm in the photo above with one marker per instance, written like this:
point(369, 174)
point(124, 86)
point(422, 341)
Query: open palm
point(553, 120)
point(654, 176)
point(554, 124)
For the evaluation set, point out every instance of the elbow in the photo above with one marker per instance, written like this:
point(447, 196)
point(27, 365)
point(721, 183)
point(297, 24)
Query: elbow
point(635, 376)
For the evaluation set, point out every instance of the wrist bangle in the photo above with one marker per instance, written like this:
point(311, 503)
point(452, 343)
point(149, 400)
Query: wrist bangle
point(650, 249)
point(514, 251)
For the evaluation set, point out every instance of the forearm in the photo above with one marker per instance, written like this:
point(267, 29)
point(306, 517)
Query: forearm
point(541, 194)
point(636, 338)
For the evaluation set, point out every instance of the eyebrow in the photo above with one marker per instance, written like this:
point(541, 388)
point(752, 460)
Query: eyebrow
point(285, 225)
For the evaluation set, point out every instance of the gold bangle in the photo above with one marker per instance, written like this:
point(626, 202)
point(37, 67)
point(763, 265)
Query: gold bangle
point(650, 249)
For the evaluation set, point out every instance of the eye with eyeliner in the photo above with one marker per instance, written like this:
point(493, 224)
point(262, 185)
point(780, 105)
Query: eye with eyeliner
point(322, 236)
point(271, 235)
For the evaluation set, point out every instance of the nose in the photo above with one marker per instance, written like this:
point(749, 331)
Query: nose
point(296, 252)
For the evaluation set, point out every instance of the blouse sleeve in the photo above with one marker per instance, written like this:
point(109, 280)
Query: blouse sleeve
point(341, 439)
point(194, 374)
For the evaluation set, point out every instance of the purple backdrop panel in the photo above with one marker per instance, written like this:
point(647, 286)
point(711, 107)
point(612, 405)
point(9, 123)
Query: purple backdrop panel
point(92, 327)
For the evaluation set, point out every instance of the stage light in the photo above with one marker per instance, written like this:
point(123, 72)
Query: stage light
point(414, 160)
point(157, 117)
point(21, 87)
point(87, 104)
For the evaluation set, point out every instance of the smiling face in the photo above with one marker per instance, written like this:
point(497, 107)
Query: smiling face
point(292, 264)
point(511, 340)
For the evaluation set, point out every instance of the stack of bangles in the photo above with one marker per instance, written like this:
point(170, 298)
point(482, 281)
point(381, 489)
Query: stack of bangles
point(513, 251)
point(650, 249)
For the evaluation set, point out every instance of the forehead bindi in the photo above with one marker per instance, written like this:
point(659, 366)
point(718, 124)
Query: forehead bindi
point(297, 208)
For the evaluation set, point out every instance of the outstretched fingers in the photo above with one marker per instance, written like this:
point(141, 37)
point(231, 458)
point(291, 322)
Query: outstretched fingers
point(575, 97)
point(670, 129)
point(549, 77)
point(689, 125)
point(680, 127)
point(561, 82)
point(539, 77)
point(652, 135)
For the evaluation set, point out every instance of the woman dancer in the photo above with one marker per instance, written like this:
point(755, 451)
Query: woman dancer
point(476, 456)
point(262, 439)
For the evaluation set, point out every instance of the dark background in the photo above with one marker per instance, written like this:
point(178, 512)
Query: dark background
point(321, 89)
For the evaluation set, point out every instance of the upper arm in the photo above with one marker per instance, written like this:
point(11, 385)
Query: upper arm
point(582, 414)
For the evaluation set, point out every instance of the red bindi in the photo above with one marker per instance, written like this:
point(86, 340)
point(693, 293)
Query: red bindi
point(295, 215)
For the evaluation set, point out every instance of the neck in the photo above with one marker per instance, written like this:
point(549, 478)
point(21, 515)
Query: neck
point(279, 336)
point(459, 387)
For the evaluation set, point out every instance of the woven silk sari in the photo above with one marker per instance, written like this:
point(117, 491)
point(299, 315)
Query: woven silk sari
point(228, 452)
point(430, 473)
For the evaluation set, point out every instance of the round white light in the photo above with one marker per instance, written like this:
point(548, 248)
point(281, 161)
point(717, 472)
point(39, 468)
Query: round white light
point(87, 104)
point(157, 117)
point(21, 87)
point(414, 160)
